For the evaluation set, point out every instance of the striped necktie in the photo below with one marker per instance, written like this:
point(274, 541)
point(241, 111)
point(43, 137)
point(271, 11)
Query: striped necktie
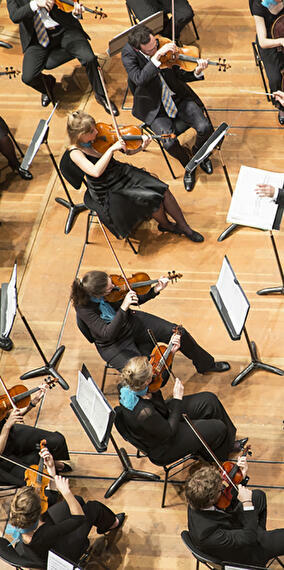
point(167, 100)
point(40, 29)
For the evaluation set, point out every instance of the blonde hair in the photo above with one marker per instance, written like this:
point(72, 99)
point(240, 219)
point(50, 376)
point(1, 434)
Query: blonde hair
point(25, 508)
point(136, 372)
point(79, 123)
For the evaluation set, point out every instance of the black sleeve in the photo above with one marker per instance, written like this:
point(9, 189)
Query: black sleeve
point(236, 538)
point(155, 423)
point(147, 296)
point(280, 198)
point(186, 76)
point(258, 10)
point(49, 533)
point(19, 13)
point(100, 329)
point(137, 75)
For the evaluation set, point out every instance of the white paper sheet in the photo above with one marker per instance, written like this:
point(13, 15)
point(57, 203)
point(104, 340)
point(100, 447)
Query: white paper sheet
point(93, 405)
point(232, 296)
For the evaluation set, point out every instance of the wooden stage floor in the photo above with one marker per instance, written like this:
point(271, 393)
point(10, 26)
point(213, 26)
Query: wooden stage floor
point(32, 230)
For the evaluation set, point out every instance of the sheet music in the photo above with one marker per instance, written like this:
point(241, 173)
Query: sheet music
point(212, 145)
point(56, 562)
point(37, 140)
point(93, 405)
point(11, 302)
point(232, 296)
point(247, 208)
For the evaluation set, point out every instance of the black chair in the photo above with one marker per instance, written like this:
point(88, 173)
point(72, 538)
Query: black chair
point(76, 177)
point(87, 334)
point(124, 432)
point(9, 555)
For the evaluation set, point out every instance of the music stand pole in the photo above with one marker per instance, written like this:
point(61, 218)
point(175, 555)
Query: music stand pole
point(49, 367)
point(128, 473)
point(232, 227)
point(280, 289)
point(255, 363)
point(74, 209)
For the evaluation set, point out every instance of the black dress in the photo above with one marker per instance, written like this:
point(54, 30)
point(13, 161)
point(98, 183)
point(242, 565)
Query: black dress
point(123, 196)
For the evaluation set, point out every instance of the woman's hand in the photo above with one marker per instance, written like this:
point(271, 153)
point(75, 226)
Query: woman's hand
point(279, 95)
point(243, 465)
point(119, 145)
point(265, 190)
point(129, 299)
point(48, 461)
point(175, 340)
point(201, 65)
point(15, 417)
point(146, 139)
point(178, 390)
point(40, 394)
point(162, 283)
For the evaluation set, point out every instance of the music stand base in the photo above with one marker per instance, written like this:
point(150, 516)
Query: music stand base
point(74, 210)
point(228, 231)
point(271, 291)
point(49, 369)
point(256, 364)
point(128, 474)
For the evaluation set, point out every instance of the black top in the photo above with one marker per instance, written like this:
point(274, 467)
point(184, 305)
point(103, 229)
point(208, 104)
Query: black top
point(257, 9)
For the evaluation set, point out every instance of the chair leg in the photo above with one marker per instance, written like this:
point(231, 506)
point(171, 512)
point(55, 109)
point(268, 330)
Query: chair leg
point(124, 108)
point(90, 214)
point(107, 366)
point(195, 28)
point(132, 246)
point(165, 487)
point(166, 159)
point(15, 142)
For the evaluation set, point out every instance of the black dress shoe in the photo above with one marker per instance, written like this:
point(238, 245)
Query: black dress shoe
point(281, 117)
point(25, 174)
point(6, 343)
point(193, 236)
point(66, 468)
point(206, 165)
point(121, 519)
point(240, 444)
point(219, 367)
point(102, 101)
point(45, 98)
point(189, 180)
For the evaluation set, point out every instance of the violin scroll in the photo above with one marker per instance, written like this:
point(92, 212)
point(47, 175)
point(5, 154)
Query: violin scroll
point(222, 65)
point(173, 276)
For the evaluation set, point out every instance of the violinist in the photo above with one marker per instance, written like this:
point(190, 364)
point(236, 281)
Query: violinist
point(265, 13)
point(45, 28)
point(64, 527)
point(121, 194)
point(18, 441)
point(120, 333)
point(162, 99)
point(157, 425)
point(238, 534)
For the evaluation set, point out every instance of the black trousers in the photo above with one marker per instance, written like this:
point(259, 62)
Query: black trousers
point(273, 62)
point(138, 343)
point(183, 13)
point(210, 419)
point(189, 115)
point(75, 44)
point(271, 542)
point(21, 446)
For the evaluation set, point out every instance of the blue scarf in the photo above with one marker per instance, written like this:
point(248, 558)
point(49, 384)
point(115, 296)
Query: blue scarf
point(267, 3)
point(17, 532)
point(107, 311)
point(86, 145)
point(128, 398)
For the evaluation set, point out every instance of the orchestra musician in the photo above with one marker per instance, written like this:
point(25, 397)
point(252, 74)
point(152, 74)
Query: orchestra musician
point(120, 333)
point(8, 150)
point(18, 442)
point(237, 534)
point(43, 28)
point(265, 13)
point(64, 527)
point(121, 194)
point(183, 13)
point(162, 97)
point(157, 425)
point(268, 191)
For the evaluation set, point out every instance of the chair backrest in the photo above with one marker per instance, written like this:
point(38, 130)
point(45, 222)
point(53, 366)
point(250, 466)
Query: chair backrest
point(9, 555)
point(209, 562)
point(84, 329)
point(57, 57)
point(73, 174)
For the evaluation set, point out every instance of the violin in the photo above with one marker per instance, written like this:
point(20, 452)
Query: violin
point(185, 56)
point(131, 134)
point(20, 396)
point(161, 359)
point(235, 474)
point(35, 477)
point(139, 282)
point(68, 5)
point(10, 72)
point(277, 30)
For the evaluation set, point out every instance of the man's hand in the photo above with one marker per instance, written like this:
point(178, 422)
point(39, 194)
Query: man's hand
point(175, 340)
point(279, 95)
point(162, 283)
point(201, 65)
point(48, 461)
point(265, 190)
point(243, 465)
point(178, 389)
point(244, 494)
point(47, 4)
point(171, 46)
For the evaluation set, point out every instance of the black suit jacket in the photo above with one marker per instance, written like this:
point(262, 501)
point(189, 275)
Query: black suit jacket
point(280, 197)
point(229, 536)
point(21, 13)
point(145, 84)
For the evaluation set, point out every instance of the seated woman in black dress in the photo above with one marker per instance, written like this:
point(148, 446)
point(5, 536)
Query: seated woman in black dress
point(265, 13)
point(64, 527)
point(121, 194)
point(158, 425)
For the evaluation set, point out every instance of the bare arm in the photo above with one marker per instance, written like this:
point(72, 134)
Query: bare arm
point(261, 31)
point(14, 417)
point(62, 485)
point(95, 170)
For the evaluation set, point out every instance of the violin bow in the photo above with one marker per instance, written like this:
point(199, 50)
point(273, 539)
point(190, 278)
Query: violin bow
point(114, 254)
point(25, 467)
point(8, 395)
point(173, 22)
point(154, 341)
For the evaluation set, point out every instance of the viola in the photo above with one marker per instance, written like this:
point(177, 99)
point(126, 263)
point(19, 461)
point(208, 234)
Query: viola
point(20, 396)
point(161, 359)
point(277, 30)
point(36, 477)
point(235, 475)
point(68, 5)
point(186, 56)
point(139, 282)
point(131, 134)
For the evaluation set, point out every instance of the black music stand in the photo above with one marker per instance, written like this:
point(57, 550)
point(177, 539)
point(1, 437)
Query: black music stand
point(5, 45)
point(280, 289)
point(41, 136)
point(8, 309)
point(233, 307)
point(100, 419)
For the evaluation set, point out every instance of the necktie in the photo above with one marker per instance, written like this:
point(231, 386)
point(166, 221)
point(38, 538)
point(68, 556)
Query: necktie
point(40, 29)
point(167, 100)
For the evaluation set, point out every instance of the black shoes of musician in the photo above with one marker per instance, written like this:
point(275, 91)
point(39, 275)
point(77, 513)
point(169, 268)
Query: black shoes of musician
point(219, 367)
point(189, 180)
point(281, 117)
point(25, 174)
point(102, 101)
point(45, 98)
point(193, 235)
point(206, 166)
point(120, 517)
point(239, 444)
point(6, 343)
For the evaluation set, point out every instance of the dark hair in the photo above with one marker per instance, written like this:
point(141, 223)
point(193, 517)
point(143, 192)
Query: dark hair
point(139, 36)
point(203, 487)
point(93, 284)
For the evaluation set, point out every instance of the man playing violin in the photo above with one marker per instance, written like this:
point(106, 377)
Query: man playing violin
point(162, 99)
point(120, 333)
point(238, 534)
point(45, 28)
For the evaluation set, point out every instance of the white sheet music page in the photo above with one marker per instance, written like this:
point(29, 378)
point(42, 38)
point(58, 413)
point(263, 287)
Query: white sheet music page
point(247, 208)
point(56, 562)
point(232, 296)
point(11, 302)
point(93, 405)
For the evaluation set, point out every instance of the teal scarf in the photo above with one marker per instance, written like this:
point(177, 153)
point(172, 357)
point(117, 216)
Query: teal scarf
point(107, 311)
point(128, 398)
